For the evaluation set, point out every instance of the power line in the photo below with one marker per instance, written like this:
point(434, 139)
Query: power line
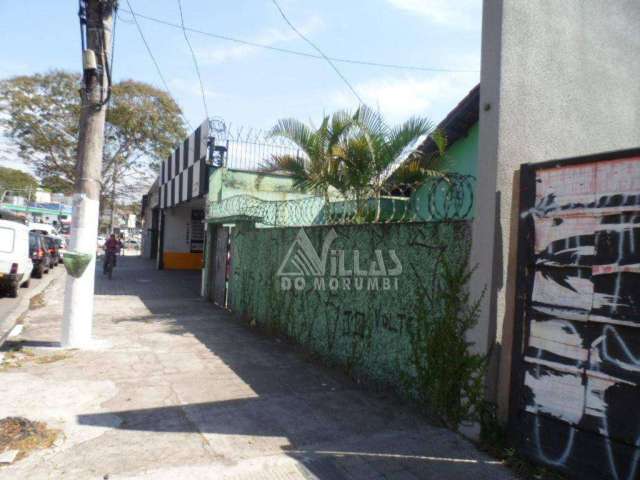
point(113, 40)
point(294, 52)
point(317, 49)
point(153, 59)
point(195, 61)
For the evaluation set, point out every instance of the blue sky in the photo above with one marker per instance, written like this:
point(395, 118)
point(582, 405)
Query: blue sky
point(252, 87)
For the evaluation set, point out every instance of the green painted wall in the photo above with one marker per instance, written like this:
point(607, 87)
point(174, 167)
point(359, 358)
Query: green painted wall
point(367, 331)
point(225, 183)
point(235, 192)
point(461, 157)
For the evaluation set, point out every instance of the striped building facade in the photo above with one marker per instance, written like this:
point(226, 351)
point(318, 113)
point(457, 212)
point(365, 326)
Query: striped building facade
point(183, 186)
point(183, 175)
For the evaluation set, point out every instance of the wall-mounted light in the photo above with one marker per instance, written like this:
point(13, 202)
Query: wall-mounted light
point(217, 153)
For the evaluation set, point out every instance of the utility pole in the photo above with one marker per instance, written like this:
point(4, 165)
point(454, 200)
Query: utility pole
point(113, 197)
point(96, 20)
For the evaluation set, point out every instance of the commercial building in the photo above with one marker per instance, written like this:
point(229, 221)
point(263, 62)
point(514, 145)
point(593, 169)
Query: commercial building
point(182, 190)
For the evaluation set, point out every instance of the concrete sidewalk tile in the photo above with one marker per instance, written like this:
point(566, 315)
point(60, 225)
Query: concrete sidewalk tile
point(180, 389)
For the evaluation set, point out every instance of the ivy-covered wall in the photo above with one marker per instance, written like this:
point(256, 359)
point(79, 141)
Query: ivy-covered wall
point(362, 311)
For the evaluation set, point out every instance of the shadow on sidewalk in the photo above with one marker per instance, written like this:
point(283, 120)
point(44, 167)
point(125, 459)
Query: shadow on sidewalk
point(319, 416)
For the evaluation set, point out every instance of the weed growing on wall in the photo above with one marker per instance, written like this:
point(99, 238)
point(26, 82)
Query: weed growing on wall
point(449, 378)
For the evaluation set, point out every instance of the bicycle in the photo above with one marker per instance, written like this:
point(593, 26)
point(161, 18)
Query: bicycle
point(109, 264)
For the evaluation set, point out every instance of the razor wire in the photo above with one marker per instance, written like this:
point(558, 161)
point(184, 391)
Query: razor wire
point(249, 149)
point(442, 198)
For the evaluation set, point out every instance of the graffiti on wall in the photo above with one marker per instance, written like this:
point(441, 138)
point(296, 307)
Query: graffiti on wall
point(579, 405)
point(276, 276)
point(353, 321)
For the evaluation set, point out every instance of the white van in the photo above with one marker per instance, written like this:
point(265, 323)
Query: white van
point(44, 228)
point(15, 262)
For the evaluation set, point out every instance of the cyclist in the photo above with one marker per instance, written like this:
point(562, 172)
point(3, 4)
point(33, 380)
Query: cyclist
point(111, 247)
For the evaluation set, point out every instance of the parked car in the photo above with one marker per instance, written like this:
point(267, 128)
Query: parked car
point(62, 247)
point(39, 254)
point(15, 263)
point(132, 243)
point(52, 248)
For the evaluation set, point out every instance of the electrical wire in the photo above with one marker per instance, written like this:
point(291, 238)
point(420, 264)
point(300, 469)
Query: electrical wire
point(130, 22)
point(113, 40)
point(294, 52)
point(317, 49)
point(108, 62)
point(195, 61)
point(153, 59)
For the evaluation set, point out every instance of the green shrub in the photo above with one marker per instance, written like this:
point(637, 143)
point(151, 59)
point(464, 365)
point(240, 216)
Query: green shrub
point(449, 377)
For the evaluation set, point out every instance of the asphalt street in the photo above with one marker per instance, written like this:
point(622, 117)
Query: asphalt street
point(12, 307)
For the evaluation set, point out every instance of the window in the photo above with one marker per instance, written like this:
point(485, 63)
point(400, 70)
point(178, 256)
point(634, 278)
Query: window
point(33, 241)
point(7, 239)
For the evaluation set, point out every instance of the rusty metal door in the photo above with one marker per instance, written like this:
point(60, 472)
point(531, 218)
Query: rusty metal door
point(575, 399)
point(220, 257)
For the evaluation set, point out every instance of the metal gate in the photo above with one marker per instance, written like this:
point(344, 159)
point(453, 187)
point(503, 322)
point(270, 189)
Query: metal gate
point(575, 400)
point(220, 257)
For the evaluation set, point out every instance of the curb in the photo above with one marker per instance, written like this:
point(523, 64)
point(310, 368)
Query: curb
point(7, 324)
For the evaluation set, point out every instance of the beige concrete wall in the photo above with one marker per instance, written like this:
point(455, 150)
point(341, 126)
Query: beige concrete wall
point(559, 78)
point(176, 236)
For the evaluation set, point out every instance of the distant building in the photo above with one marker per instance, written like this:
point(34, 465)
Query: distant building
point(42, 196)
point(43, 207)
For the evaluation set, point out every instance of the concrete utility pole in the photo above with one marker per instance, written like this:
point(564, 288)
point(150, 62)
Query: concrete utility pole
point(113, 198)
point(78, 299)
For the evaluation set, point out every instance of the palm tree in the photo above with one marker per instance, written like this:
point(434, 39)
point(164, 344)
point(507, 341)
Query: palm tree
point(389, 156)
point(317, 166)
point(393, 152)
point(356, 154)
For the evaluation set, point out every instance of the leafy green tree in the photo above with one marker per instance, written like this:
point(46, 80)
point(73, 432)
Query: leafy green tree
point(143, 125)
point(41, 113)
point(56, 184)
point(12, 180)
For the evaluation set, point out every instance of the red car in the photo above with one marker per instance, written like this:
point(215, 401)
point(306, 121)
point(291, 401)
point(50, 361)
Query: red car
point(53, 249)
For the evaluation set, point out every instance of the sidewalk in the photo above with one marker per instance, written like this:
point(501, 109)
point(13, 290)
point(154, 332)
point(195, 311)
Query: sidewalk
point(176, 388)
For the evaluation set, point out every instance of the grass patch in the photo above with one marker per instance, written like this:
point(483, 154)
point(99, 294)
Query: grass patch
point(24, 435)
point(43, 359)
point(16, 356)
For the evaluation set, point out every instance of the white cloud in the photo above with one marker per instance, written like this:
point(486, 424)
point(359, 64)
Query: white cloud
point(398, 98)
point(270, 37)
point(460, 13)
point(191, 88)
